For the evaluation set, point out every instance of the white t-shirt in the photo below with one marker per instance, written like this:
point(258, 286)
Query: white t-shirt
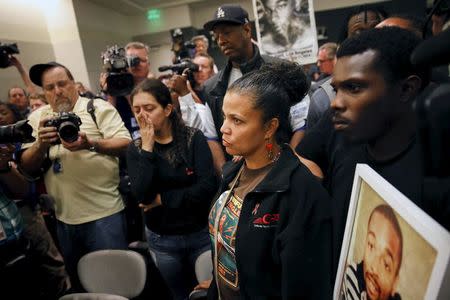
point(298, 114)
point(235, 74)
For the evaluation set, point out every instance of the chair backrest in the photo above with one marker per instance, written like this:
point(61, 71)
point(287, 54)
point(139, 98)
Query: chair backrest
point(118, 272)
point(91, 296)
point(203, 266)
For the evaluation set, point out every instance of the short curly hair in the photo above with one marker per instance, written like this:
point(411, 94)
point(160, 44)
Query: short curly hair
point(18, 116)
point(394, 46)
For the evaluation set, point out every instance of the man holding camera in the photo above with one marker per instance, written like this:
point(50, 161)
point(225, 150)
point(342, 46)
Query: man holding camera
point(17, 95)
point(140, 70)
point(81, 173)
point(194, 111)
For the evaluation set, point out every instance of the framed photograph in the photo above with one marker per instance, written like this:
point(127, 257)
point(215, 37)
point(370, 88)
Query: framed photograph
point(391, 248)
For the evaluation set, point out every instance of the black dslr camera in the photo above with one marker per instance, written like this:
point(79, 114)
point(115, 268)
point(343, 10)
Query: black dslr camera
point(67, 124)
point(5, 51)
point(120, 82)
point(19, 132)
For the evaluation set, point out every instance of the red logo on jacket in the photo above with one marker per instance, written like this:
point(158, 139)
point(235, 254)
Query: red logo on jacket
point(267, 219)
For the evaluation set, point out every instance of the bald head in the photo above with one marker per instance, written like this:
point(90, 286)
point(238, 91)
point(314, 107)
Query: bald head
point(402, 22)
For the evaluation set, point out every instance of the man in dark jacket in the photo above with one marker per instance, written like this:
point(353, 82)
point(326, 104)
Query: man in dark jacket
point(232, 31)
point(372, 121)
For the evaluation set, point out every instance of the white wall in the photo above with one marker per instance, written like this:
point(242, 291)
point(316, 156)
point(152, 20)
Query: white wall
point(172, 17)
point(65, 38)
point(99, 28)
point(44, 31)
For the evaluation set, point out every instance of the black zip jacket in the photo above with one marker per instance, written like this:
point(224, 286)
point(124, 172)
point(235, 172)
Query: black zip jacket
point(186, 191)
point(283, 251)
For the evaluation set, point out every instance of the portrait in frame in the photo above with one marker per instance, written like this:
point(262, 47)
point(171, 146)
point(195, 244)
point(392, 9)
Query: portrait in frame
point(391, 248)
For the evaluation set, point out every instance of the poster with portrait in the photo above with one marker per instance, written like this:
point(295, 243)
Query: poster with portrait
point(391, 248)
point(286, 29)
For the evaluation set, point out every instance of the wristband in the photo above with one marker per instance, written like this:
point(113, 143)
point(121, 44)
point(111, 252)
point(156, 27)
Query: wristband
point(94, 147)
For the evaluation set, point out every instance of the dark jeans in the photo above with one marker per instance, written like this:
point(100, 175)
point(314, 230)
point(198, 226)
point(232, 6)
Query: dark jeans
point(175, 256)
point(78, 240)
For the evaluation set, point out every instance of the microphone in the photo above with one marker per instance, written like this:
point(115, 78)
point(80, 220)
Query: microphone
point(434, 51)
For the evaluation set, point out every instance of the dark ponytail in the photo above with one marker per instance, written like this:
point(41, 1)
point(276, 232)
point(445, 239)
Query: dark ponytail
point(274, 89)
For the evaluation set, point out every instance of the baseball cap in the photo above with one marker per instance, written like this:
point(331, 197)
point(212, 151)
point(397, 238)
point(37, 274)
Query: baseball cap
point(228, 13)
point(36, 71)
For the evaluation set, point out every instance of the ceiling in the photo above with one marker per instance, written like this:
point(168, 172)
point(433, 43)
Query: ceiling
point(134, 7)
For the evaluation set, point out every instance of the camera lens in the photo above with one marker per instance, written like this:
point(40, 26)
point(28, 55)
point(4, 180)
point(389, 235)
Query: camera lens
point(68, 132)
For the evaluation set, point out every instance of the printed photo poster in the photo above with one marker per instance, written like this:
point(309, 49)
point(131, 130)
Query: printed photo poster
point(391, 248)
point(286, 29)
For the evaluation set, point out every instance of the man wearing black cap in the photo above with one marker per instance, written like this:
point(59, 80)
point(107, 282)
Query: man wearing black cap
point(82, 175)
point(232, 31)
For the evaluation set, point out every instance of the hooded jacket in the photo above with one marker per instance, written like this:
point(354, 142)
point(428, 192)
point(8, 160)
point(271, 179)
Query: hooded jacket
point(283, 238)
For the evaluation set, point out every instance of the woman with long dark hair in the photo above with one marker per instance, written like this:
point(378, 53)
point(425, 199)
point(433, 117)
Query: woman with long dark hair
point(172, 177)
point(271, 225)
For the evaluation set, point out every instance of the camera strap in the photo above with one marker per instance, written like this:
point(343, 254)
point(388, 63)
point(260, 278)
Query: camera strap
point(91, 110)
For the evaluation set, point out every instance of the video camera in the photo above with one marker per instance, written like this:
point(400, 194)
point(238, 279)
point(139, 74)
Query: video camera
point(19, 132)
point(180, 48)
point(5, 51)
point(67, 124)
point(180, 67)
point(120, 82)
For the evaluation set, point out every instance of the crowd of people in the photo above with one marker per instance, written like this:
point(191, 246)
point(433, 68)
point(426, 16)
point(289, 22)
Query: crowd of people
point(253, 163)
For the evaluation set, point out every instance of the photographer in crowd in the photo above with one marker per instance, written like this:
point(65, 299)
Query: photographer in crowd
point(194, 111)
point(17, 95)
point(76, 152)
point(201, 47)
point(139, 70)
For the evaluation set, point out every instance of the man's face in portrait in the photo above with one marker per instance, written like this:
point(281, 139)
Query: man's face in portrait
point(382, 257)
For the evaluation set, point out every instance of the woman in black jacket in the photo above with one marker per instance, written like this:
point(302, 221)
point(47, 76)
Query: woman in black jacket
point(172, 177)
point(271, 225)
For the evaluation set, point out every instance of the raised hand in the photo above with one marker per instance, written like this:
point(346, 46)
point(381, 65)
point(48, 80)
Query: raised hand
point(147, 130)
